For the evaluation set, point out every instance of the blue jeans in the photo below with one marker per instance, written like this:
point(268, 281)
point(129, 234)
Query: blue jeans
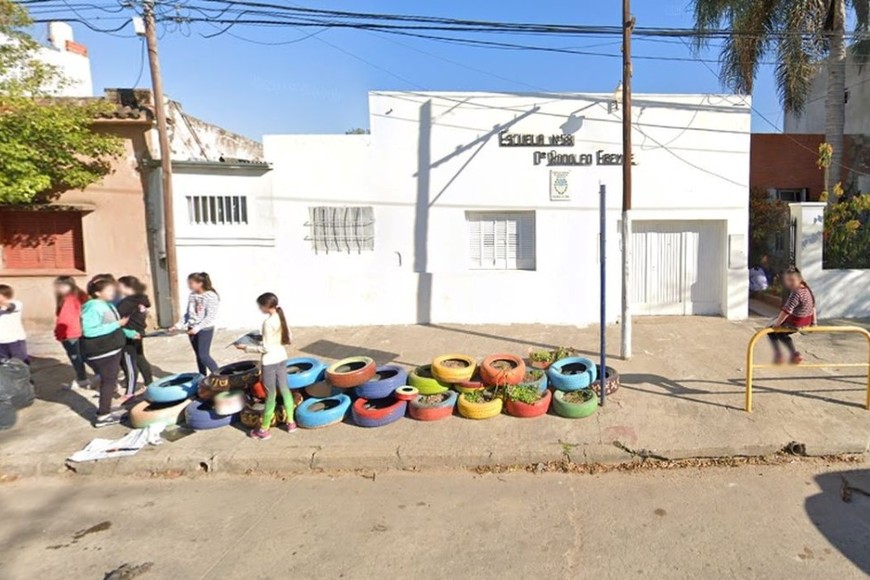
point(73, 350)
point(201, 343)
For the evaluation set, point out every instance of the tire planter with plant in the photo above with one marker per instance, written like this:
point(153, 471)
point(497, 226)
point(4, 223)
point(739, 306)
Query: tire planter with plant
point(611, 381)
point(386, 380)
point(575, 404)
point(351, 372)
point(479, 405)
point(453, 368)
point(304, 371)
point(407, 393)
point(502, 369)
point(144, 414)
point(317, 413)
point(201, 416)
point(378, 412)
point(572, 373)
point(173, 388)
point(425, 382)
point(475, 384)
point(536, 378)
point(526, 401)
point(229, 402)
point(433, 407)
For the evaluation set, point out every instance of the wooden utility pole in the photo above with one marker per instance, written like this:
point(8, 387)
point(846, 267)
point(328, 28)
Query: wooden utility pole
point(165, 156)
point(627, 26)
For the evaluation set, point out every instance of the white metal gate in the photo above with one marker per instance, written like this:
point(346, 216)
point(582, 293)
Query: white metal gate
point(677, 267)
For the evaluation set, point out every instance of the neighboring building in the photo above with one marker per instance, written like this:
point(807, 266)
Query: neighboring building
point(71, 59)
point(82, 233)
point(483, 208)
point(857, 97)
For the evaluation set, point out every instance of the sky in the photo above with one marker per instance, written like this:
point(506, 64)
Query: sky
point(319, 84)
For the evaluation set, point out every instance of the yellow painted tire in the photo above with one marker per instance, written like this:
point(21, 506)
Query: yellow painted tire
point(425, 383)
point(450, 374)
point(479, 411)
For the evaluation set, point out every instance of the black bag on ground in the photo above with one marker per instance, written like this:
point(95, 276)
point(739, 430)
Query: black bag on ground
point(15, 386)
point(7, 415)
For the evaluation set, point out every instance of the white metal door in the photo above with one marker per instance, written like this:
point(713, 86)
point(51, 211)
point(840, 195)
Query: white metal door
point(677, 267)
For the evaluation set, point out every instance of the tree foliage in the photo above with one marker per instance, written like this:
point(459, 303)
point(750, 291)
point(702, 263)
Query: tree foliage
point(47, 145)
point(847, 231)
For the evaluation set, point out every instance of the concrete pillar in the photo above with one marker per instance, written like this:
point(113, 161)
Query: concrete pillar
point(809, 243)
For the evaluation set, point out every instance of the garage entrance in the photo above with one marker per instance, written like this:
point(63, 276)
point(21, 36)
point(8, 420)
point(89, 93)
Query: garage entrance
point(677, 267)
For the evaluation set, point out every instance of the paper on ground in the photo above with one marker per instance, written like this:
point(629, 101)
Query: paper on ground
point(127, 445)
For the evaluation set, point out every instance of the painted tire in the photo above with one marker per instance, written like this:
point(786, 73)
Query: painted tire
point(233, 377)
point(429, 412)
point(229, 403)
point(524, 410)
point(425, 382)
point(351, 372)
point(407, 393)
point(201, 416)
point(445, 373)
point(378, 412)
point(174, 388)
point(386, 380)
point(304, 371)
point(572, 373)
point(321, 390)
point(145, 414)
point(478, 411)
point(541, 383)
point(258, 391)
point(316, 413)
point(575, 410)
point(252, 415)
point(470, 386)
point(492, 374)
point(611, 381)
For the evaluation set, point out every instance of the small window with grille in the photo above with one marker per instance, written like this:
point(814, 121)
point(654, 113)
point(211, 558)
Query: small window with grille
point(217, 210)
point(341, 229)
point(501, 240)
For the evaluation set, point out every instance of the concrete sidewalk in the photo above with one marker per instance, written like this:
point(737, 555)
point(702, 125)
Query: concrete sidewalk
point(681, 396)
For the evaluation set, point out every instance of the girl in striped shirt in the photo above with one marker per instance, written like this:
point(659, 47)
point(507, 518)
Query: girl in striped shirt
point(798, 311)
point(199, 320)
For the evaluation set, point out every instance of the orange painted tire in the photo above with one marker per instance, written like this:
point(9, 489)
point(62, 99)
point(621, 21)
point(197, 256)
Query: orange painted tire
point(502, 369)
point(469, 386)
point(524, 410)
point(453, 368)
point(351, 372)
point(421, 411)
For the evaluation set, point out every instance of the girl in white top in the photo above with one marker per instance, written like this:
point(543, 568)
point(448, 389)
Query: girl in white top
point(276, 337)
point(13, 341)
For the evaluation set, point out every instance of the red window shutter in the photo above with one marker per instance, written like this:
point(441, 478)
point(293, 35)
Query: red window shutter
point(42, 240)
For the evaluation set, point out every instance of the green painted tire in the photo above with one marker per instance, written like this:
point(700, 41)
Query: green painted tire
point(425, 382)
point(575, 410)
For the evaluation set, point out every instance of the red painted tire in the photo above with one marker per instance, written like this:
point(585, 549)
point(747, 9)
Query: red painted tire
point(502, 369)
point(351, 372)
point(377, 412)
point(433, 412)
point(524, 410)
point(258, 391)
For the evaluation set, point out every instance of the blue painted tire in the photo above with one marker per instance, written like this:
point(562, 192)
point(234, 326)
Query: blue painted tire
point(316, 413)
point(200, 416)
point(173, 388)
point(572, 373)
point(541, 384)
point(378, 412)
point(387, 379)
point(303, 372)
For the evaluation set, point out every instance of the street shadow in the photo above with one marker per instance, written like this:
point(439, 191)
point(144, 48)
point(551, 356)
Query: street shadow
point(691, 389)
point(333, 350)
point(518, 341)
point(841, 513)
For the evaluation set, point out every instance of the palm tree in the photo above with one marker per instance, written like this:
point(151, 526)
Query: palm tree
point(798, 34)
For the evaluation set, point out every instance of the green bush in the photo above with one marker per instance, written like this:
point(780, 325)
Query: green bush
point(847, 232)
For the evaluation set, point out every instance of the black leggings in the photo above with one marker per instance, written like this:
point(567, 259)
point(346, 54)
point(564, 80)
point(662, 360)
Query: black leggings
point(201, 343)
point(108, 368)
point(134, 362)
point(777, 338)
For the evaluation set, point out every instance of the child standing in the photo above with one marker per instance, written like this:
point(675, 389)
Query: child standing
point(103, 339)
point(68, 325)
point(134, 305)
point(13, 341)
point(798, 311)
point(276, 337)
point(199, 320)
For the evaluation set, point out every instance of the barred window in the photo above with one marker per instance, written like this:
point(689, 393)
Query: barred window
point(341, 229)
point(217, 210)
point(501, 240)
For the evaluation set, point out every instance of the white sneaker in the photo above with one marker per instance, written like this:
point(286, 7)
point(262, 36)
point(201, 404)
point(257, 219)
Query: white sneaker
point(76, 385)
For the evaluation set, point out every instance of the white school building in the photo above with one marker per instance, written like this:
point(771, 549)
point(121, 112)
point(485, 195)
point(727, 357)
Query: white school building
point(479, 208)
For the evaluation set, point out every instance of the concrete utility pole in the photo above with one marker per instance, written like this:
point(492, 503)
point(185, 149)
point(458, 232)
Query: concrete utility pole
point(165, 155)
point(627, 26)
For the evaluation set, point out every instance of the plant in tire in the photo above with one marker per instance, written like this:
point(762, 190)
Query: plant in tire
point(575, 404)
point(480, 404)
point(527, 401)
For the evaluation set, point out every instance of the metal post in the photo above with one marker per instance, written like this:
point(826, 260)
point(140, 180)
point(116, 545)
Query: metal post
point(627, 26)
point(602, 252)
point(165, 155)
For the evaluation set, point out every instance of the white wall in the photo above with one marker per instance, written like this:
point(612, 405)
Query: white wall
point(839, 293)
point(692, 154)
point(812, 118)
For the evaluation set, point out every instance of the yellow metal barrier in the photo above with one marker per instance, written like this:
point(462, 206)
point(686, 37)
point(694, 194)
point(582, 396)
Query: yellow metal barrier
point(750, 355)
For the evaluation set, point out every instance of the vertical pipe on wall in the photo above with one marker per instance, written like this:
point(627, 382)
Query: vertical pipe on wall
point(602, 252)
